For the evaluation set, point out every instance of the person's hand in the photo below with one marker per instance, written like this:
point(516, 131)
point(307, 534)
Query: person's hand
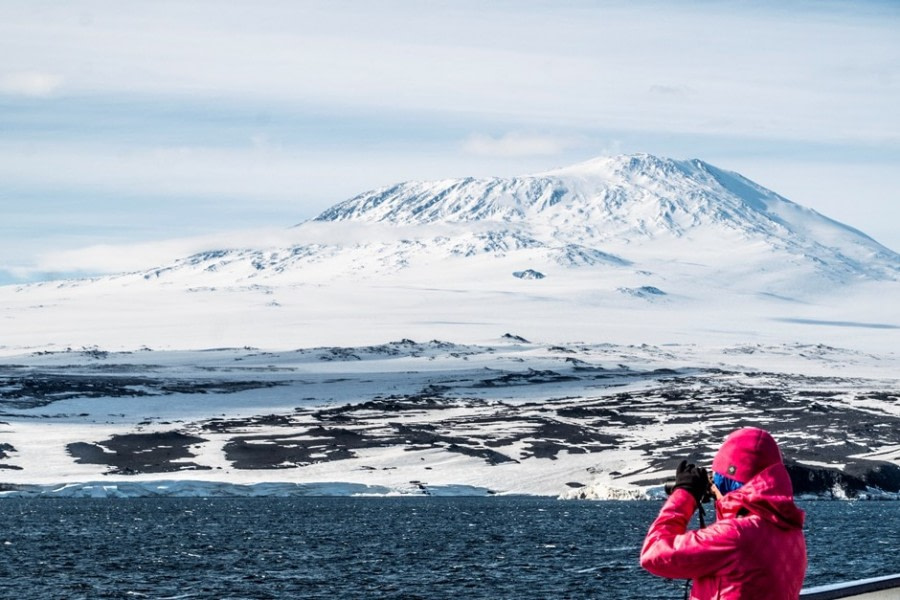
point(694, 479)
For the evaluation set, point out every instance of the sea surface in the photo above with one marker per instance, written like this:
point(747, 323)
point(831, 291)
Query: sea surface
point(402, 548)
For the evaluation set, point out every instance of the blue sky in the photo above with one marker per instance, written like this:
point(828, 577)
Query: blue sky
point(132, 132)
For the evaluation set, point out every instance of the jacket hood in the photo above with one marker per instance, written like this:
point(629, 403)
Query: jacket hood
point(746, 452)
point(768, 495)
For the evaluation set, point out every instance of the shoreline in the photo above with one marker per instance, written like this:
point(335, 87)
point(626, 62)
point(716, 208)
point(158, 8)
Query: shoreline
point(220, 489)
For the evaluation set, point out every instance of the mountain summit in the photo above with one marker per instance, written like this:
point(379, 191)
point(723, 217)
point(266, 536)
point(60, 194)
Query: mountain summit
point(630, 195)
point(629, 200)
point(641, 192)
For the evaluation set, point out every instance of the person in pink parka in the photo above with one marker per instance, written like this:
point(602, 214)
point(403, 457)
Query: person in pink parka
point(756, 548)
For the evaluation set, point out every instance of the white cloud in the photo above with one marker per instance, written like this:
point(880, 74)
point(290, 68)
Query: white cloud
point(30, 83)
point(123, 258)
point(294, 180)
point(825, 74)
point(186, 171)
point(669, 90)
point(514, 144)
point(135, 257)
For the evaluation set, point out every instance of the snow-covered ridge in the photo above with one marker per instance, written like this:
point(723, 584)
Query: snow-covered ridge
point(640, 219)
point(632, 217)
point(435, 418)
point(621, 198)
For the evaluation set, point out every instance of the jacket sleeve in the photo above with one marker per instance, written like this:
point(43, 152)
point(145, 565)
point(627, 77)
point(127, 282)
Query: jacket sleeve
point(670, 550)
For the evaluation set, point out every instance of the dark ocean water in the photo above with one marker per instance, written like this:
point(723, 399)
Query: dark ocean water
point(408, 548)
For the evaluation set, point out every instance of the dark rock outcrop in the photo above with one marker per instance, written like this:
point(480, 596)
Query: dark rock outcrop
point(857, 478)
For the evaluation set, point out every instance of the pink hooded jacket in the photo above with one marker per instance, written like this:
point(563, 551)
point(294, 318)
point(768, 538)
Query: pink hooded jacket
point(755, 549)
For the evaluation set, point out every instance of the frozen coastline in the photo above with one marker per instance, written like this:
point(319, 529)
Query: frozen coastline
point(436, 418)
point(213, 489)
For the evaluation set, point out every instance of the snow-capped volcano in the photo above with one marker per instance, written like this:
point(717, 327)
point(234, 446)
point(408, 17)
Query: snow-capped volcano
point(611, 240)
point(687, 222)
point(634, 195)
point(626, 201)
point(623, 196)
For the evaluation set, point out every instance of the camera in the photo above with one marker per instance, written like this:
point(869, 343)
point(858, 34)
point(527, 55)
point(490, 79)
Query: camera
point(669, 487)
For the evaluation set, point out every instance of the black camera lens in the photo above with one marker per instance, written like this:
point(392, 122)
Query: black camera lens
point(669, 487)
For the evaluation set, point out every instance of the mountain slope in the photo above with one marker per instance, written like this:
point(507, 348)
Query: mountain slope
point(686, 222)
point(630, 200)
point(630, 248)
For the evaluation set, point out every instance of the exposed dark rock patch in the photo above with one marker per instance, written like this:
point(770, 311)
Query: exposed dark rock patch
point(5, 449)
point(817, 480)
point(648, 292)
point(135, 453)
point(877, 474)
point(553, 437)
point(883, 396)
point(394, 404)
point(228, 425)
point(561, 349)
point(418, 437)
point(404, 347)
point(324, 444)
point(529, 377)
point(515, 338)
point(528, 274)
point(35, 390)
point(281, 452)
point(491, 457)
point(214, 387)
point(340, 354)
point(604, 416)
